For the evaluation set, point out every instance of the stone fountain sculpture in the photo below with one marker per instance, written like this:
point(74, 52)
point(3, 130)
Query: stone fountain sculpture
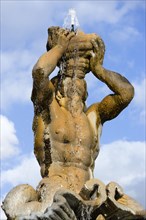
point(67, 133)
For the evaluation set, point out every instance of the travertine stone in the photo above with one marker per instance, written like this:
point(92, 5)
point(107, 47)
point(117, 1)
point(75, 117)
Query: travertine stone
point(67, 135)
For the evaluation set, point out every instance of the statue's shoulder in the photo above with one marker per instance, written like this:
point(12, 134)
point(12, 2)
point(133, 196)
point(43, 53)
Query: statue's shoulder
point(93, 108)
point(93, 114)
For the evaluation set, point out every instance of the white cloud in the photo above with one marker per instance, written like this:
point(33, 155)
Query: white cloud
point(16, 77)
point(16, 83)
point(111, 12)
point(30, 19)
point(14, 90)
point(9, 140)
point(26, 172)
point(140, 92)
point(15, 60)
point(126, 34)
point(2, 215)
point(25, 21)
point(123, 162)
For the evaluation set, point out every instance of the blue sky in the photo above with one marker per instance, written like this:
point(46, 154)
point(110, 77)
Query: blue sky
point(121, 24)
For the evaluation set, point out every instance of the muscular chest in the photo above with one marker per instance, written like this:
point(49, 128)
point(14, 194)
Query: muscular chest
point(62, 129)
point(68, 129)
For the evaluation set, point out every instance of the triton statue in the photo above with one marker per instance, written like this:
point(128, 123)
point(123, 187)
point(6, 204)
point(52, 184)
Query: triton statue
point(67, 133)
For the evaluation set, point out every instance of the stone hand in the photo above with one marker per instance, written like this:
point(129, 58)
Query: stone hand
point(59, 210)
point(61, 100)
point(97, 54)
point(64, 38)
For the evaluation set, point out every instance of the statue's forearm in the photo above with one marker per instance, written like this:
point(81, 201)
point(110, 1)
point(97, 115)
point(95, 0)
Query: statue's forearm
point(116, 82)
point(42, 69)
point(47, 62)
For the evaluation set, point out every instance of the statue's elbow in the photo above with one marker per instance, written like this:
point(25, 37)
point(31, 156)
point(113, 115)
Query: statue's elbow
point(128, 94)
point(131, 92)
point(38, 72)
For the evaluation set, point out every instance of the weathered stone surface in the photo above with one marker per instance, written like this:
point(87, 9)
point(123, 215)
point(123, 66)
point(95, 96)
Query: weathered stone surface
point(95, 202)
point(67, 135)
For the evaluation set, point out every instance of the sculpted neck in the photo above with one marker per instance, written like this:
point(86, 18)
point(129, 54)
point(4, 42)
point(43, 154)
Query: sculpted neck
point(73, 95)
point(75, 106)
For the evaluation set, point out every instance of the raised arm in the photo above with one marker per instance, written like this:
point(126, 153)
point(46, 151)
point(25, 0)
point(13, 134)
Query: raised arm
point(123, 91)
point(45, 66)
point(42, 96)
